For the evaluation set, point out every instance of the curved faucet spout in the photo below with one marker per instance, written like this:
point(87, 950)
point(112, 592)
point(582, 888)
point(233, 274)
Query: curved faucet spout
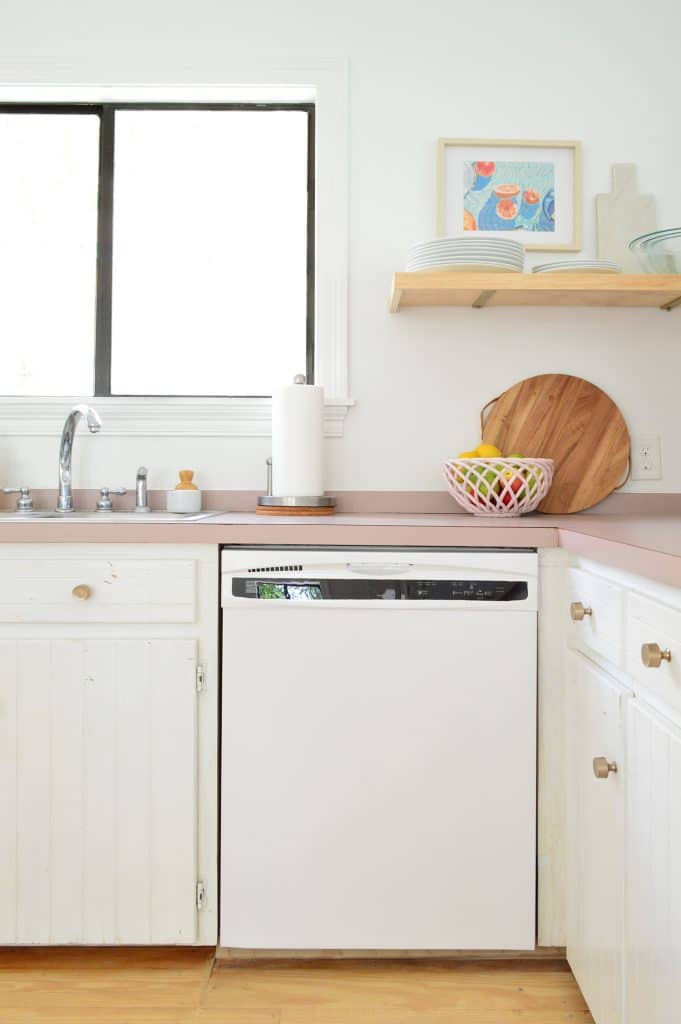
point(94, 425)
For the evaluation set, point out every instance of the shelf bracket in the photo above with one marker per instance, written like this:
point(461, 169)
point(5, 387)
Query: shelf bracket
point(669, 306)
point(482, 299)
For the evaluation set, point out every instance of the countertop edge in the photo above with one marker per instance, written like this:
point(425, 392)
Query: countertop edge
point(585, 540)
point(317, 531)
point(661, 566)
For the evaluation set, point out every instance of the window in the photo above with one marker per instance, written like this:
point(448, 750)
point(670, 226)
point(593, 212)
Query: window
point(48, 252)
point(156, 249)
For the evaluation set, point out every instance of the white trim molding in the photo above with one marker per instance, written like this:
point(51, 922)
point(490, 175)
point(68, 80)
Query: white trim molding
point(157, 417)
point(178, 79)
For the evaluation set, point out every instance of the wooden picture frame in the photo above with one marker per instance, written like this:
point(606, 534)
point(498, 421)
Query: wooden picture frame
point(467, 195)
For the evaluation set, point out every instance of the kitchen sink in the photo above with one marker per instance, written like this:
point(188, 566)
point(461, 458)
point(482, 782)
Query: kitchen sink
point(43, 515)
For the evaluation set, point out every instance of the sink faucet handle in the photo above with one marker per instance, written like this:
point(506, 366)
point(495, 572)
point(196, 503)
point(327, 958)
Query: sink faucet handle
point(104, 503)
point(24, 501)
point(141, 491)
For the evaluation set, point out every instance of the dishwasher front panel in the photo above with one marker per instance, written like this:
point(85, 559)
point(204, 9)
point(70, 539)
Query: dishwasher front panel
point(379, 762)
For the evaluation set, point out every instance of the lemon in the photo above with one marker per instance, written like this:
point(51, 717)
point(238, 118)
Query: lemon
point(461, 474)
point(488, 451)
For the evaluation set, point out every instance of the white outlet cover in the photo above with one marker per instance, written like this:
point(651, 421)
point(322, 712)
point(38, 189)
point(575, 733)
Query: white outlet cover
point(646, 457)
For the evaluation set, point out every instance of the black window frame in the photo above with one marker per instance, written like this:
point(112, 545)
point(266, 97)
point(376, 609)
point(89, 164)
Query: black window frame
point(105, 223)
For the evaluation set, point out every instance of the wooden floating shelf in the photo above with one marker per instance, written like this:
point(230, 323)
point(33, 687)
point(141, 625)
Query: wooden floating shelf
point(448, 288)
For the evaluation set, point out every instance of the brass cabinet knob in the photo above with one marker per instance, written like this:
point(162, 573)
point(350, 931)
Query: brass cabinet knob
point(652, 655)
point(81, 592)
point(603, 767)
point(578, 611)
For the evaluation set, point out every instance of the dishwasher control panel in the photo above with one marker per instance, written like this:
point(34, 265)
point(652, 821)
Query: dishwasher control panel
point(378, 589)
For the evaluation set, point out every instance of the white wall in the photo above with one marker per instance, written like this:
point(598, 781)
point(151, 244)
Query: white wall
point(603, 71)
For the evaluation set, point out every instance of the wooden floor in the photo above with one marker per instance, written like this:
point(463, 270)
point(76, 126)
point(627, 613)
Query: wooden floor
point(185, 987)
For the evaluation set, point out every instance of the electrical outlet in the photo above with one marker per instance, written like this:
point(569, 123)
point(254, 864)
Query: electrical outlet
point(646, 460)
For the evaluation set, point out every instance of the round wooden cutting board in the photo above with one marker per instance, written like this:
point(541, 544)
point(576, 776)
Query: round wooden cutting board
point(567, 419)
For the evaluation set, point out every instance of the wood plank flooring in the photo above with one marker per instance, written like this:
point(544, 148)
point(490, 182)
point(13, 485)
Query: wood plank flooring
point(170, 986)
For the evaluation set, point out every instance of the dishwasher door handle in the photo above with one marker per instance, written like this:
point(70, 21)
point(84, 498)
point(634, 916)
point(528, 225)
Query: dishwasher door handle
point(379, 568)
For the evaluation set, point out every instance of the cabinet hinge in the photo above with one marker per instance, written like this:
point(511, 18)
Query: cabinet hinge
point(200, 678)
point(201, 897)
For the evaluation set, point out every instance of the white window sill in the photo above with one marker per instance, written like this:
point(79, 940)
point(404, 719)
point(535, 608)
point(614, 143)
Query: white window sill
point(158, 417)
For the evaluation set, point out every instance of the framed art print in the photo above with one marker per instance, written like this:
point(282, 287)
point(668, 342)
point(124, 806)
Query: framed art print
point(530, 191)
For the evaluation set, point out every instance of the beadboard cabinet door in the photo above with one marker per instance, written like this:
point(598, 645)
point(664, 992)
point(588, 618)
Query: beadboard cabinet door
point(653, 948)
point(595, 837)
point(98, 792)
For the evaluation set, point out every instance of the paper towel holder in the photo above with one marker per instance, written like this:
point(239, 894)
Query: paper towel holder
point(293, 505)
point(289, 505)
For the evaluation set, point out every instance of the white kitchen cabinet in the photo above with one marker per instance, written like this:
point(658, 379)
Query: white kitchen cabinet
point(595, 836)
point(652, 622)
point(653, 890)
point(601, 625)
point(124, 590)
point(98, 755)
point(108, 749)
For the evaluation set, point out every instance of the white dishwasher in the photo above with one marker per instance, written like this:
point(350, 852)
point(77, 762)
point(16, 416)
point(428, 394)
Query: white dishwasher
point(378, 749)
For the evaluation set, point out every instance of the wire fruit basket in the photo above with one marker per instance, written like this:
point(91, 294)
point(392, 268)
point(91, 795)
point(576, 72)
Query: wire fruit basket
point(499, 487)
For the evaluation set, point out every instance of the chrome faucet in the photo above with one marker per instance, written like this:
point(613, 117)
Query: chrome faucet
point(141, 494)
point(94, 425)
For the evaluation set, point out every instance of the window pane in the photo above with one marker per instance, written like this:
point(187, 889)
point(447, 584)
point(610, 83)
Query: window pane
point(48, 252)
point(209, 261)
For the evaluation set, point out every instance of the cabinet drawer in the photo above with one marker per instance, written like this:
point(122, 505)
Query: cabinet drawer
point(97, 590)
point(602, 630)
point(594, 837)
point(649, 622)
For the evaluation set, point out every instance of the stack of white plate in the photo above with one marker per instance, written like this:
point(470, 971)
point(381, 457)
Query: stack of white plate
point(467, 253)
point(578, 267)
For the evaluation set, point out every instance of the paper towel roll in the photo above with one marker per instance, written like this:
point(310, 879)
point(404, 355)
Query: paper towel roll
point(298, 441)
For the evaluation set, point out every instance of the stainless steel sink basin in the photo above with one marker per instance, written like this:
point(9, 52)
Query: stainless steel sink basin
point(44, 515)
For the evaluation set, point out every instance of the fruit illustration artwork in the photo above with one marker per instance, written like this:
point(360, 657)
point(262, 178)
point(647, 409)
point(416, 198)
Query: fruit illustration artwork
point(469, 223)
point(484, 169)
point(501, 209)
point(529, 206)
point(507, 207)
point(509, 195)
point(547, 214)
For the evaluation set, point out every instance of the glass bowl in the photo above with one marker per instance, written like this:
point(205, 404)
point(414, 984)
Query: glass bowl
point(659, 252)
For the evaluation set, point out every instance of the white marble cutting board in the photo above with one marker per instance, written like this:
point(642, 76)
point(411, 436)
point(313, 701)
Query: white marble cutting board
point(621, 215)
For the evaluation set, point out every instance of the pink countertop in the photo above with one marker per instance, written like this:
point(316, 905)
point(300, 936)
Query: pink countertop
point(636, 533)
